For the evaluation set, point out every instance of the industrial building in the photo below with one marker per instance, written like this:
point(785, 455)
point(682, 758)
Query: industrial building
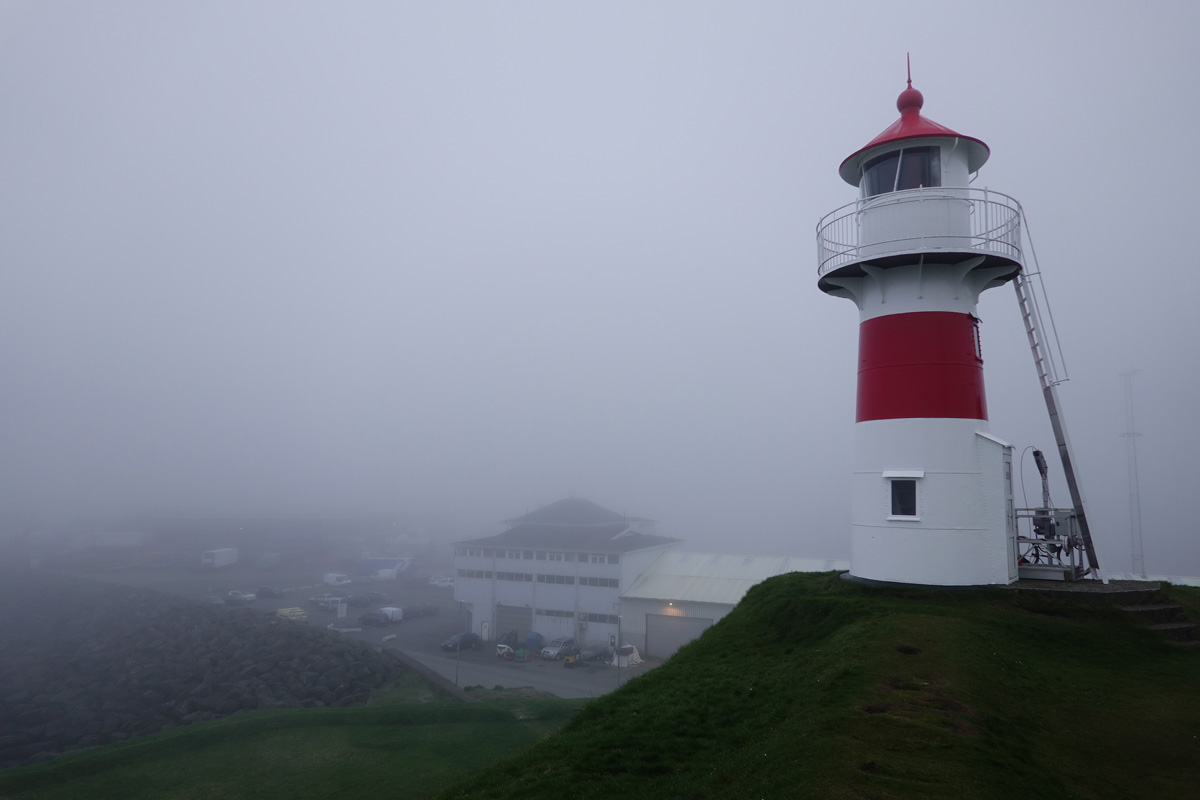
point(574, 568)
point(558, 570)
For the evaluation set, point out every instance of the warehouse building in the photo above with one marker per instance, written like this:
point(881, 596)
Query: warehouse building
point(558, 570)
point(574, 568)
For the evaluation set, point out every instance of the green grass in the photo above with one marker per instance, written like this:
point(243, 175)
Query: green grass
point(818, 688)
point(812, 688)
point(390, 749)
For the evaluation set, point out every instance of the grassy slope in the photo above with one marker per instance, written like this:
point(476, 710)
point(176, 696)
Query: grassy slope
point(812, 687)
point(410, 750)
point(818, 688)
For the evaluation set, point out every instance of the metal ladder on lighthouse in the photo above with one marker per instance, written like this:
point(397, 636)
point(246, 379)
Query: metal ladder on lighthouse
point(1058, 536)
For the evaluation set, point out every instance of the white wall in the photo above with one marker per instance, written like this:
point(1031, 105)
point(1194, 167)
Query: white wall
point(634, 611)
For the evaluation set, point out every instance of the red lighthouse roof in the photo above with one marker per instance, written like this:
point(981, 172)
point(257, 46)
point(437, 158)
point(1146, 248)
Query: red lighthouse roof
point(911, 125)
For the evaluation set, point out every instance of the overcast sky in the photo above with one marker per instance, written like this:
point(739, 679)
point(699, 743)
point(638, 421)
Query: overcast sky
point(459, 260)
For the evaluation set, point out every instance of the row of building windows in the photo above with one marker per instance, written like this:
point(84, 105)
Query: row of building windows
point(608, 619)
point(525, 577)
point(539, 555)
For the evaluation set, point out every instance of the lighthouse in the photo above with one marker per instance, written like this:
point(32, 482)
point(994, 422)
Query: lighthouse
point(931, 492)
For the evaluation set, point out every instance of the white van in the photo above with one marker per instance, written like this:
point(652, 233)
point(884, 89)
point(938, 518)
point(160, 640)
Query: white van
point(336, 579)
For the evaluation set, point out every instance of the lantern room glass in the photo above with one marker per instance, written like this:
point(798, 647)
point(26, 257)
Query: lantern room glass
point(910, 168)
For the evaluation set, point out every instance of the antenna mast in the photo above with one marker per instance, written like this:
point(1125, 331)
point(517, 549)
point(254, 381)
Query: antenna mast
point(1135, 495)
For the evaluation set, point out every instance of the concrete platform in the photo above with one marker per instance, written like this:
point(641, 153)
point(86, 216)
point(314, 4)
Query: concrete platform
point(1117, 592)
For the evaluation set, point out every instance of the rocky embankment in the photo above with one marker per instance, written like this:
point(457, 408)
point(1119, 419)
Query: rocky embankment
point(85, 663)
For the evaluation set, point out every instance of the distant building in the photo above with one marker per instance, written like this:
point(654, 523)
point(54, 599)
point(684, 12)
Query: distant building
point(574, 568)
point(558, 571)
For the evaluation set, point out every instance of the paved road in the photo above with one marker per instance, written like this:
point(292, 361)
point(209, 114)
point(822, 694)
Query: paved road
point(473, 669)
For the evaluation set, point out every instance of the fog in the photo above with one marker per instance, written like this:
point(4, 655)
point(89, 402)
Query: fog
point(454, 261)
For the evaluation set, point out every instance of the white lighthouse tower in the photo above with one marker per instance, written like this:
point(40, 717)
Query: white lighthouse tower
point(932, 488)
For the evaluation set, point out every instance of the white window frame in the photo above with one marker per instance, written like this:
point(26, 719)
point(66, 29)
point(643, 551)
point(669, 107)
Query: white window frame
point(914, 475)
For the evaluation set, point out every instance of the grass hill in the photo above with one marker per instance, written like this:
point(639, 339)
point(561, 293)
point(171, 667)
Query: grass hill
point(812, 687)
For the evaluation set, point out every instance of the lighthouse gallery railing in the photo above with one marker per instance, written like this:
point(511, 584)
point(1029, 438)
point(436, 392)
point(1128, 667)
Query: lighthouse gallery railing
point(990, 222)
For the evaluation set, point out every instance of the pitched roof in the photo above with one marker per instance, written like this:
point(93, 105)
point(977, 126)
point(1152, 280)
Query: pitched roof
point(572, 511)
point(613, 537)
point(716, 577)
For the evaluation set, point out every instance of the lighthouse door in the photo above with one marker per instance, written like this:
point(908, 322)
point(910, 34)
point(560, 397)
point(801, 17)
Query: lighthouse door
point(1010, 516)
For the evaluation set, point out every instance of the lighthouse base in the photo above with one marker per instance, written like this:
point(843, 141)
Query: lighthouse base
point(932, 504)
point(929, 558)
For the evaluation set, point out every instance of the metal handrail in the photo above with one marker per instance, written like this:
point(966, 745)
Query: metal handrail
point(994, 227)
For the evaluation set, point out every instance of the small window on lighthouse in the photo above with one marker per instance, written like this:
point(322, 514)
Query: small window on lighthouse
point(904, 497)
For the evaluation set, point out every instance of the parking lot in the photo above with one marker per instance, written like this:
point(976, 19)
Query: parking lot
point(419, 638)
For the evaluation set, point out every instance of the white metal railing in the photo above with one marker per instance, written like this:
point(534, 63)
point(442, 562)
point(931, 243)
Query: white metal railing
point(966, 220)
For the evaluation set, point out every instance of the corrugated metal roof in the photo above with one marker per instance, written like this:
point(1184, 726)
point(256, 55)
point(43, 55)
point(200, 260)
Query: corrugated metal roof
point(717, 577)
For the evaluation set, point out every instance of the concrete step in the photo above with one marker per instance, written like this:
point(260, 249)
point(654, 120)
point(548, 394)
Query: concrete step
point(1175, 630)
point(1156, 612)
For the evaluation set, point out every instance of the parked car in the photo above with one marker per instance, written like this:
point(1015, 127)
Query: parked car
point(322, 599)
point(269, 591)
point(293, 614)
point(462, 641)
point(240, 597)
point(376, 619)
point(554, 650)
point(420, 610)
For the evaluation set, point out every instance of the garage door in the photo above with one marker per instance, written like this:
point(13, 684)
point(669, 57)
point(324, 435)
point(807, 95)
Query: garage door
point(665, 635)
point(513, 618)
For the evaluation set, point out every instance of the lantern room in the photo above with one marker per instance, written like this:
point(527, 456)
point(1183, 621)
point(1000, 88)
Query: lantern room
point(915, 199)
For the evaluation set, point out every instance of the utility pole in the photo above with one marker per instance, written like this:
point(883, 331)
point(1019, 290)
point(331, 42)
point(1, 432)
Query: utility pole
point(1135, 498)
point(457, 651)
point(617, 651)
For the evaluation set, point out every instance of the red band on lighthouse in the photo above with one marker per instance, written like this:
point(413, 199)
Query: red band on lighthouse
point(923, 364)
